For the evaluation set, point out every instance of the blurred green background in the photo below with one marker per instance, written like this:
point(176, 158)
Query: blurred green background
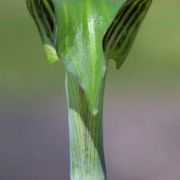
point(142, 102)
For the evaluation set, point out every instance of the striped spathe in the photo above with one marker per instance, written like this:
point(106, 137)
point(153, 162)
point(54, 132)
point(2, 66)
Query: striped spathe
point(122, 32)
point(43, 12)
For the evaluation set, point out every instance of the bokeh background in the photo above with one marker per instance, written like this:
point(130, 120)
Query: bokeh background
point(142, 102)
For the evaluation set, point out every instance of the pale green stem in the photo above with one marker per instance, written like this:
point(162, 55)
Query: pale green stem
point(86, 135)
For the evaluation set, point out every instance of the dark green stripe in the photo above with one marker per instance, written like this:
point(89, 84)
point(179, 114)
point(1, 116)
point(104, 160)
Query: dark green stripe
point(121, 19)
point(47, 15)
point(43, 13)
point(133, 27)
point(126, 20)
point(121, 33)
point(122, 14)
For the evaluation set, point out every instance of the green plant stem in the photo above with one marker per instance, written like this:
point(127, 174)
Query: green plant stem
point(86, 135)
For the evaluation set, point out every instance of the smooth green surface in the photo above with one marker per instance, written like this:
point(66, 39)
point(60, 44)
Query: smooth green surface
point(81, 26)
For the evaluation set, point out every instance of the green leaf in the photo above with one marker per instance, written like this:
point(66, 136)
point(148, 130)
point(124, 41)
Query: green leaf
point(81, 26)
point(122, 32)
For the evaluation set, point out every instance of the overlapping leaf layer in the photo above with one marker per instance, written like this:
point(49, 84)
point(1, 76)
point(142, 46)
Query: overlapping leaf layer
point(85, 34)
